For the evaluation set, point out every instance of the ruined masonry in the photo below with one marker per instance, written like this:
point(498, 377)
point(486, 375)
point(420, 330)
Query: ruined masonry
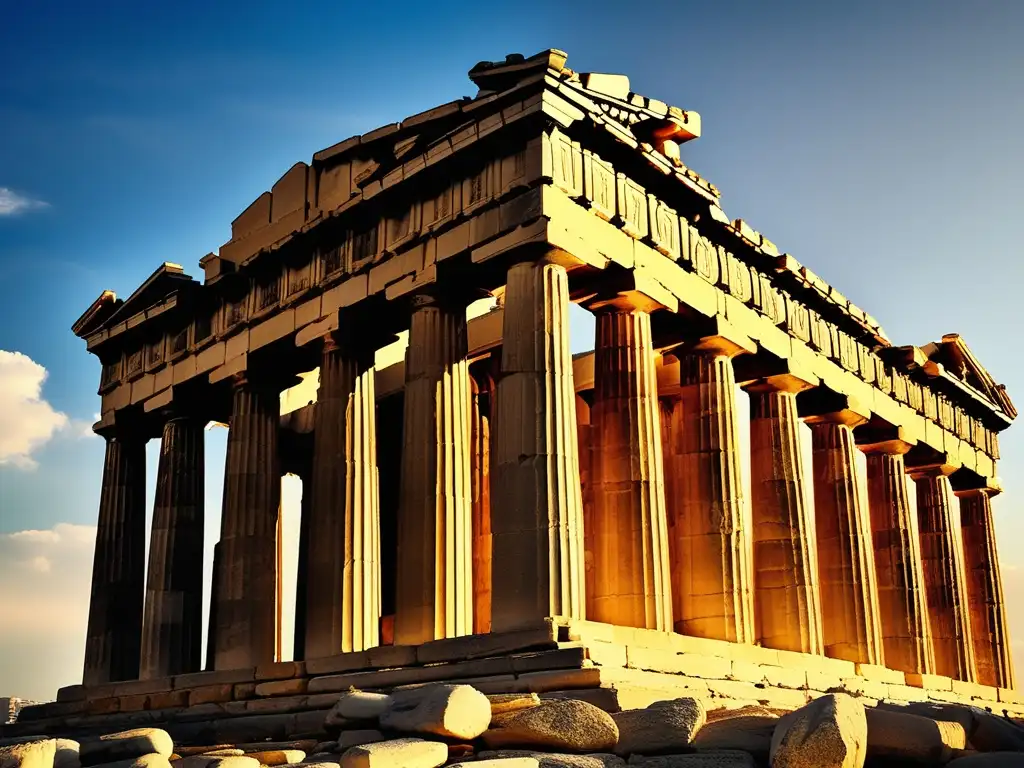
point(481, 506)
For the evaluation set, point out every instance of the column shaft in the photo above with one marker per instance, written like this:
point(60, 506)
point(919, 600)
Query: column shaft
point(480, 459)
point(942, 556)
point(985, 590)
point(435, 548)
point(536, 501)
point(630, 557)
point(903, 607)
point(172, 625)
point(711, 579)
point(788, 604)
point(342, 608)
point(245, 558)
point(846, 563)
point(114, 634)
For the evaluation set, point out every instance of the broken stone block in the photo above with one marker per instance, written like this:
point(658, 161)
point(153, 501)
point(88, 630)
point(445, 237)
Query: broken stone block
point(398, 753)
point(32, 754)
point(278, 756)
point(568, 724)
point(747, 732)
point(557, 760)
point(143, 761)
point(725, 758)
point(502, 703)
point(829, 732)
point(455, 711)
point(66, 755)
point(905, 736)
point(356, 706)
point(125, 745)
point(664, 726)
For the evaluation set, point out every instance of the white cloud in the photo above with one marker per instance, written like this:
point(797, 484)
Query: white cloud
point(44, 599)
point(11, 203)
point(27, 421)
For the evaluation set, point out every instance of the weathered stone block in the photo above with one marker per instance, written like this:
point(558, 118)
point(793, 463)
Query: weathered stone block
point(282, 687)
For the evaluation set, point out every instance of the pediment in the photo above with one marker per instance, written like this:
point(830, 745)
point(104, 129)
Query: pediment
point(167, 279)
point(957, 360)
point(97, 314)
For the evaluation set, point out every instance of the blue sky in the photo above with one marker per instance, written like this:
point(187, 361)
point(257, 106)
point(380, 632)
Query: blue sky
point(877, 144)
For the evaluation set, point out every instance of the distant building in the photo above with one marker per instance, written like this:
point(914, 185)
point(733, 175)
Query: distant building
point(10, 706)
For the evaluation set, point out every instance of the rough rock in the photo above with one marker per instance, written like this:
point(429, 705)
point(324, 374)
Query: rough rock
point(302, 745)
point(721, 758)
point(557, 760)
point(829, 732)
point(10, 741)
point(398, 753)
point(357, 706)
point(664, 726)
point(222, 758)
point(66, 755)
point(567, 724)
point(453, 711)
point(125, 745)
point(747, 710)
point(502, 703)
point(357, 738)
point(989, 760)
point(278, 756)
point(31, 754)
point(985, 731)
point(912, 737)
point(749, 733)
point(508, 762)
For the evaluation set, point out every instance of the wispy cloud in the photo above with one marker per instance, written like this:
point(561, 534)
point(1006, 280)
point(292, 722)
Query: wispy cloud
point(12, 203)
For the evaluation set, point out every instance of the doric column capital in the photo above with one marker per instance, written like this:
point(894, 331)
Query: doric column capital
point(823, 406)
point(934, 464)
point(626, 291)
point(715, 338)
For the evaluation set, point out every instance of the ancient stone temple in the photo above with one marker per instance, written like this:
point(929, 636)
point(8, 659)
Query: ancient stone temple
point(485, 506)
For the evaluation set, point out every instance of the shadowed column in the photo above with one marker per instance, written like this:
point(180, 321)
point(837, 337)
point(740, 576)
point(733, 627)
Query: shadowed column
point(435, 548)
point(343, 566)
point(172, 625)
point(245, 558)
point(480, 461)
point(786, 596)
point(536, 501)
point(986, 606)
point(114, 634)
point(846, 563)
point(942, 558)
point(631, 580)
point(711, 578)
point(903, 608)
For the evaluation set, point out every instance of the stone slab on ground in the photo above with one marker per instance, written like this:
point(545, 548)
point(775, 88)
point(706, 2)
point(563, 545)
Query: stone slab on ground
point(559, 760)
point(398, 753)
point(663, 727)
point(125, 745)
point(830, 732)
point(724, 758)
point(568, 724)
point(452, 711)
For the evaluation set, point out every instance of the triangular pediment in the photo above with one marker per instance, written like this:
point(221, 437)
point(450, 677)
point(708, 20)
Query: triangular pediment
point(167, 279)
point(97, 314)
point(956, 358)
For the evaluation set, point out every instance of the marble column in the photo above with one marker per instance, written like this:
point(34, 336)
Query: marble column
point(903, 607)
point(173, 620)
point(786, 591)
point(342, 607)
point(942, 557)
point(435, 547)
point(985, 602)
point(711, 571)
point(302, 571)
point(631, 583)
point(480, 468)
point(245, 558)
point(536, 502)
point(114, 633)
point(846, 563)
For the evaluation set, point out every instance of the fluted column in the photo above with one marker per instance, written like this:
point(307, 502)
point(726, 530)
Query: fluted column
point(173, 620)
point(786, 591)
point(342, 608)
point(480, 467)
point(435, 548)
point(536, 501)
point(631, 585)
point(711, 572)
point(846, 563)
point(903, 607)
point(942, 557)
point(985, 589)
point(245, 558)
point(114, 633)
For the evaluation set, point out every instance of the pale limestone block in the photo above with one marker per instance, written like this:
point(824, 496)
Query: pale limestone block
point(454, 711)
point(664, 726)
point(398, 753)
point(829, 732)
point(358, 705)
point(126, 744)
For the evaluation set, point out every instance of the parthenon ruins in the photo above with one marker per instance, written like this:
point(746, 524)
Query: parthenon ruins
point(484, 481)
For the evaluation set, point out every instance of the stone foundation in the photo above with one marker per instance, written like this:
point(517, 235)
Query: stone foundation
point(612, 667)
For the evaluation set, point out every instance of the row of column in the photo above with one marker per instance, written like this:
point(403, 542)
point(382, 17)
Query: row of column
point(661, 542)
